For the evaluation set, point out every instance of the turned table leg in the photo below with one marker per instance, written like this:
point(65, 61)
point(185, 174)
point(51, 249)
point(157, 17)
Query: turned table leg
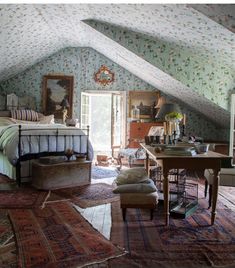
point(215, 190)
point(166, 196)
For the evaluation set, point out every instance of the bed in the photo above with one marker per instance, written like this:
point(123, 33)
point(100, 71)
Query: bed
point(22, 140)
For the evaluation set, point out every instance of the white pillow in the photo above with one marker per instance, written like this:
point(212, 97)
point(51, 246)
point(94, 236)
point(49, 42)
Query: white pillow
point(24, 122)
point(47, 119)
point(148, 187)
point(132, 175)
point(6, 121)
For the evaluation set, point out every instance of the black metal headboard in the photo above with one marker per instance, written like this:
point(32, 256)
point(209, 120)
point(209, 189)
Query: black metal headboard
point(56, 133)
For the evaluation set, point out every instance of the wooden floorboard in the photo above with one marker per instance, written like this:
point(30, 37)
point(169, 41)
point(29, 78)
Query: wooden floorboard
point(99, 217)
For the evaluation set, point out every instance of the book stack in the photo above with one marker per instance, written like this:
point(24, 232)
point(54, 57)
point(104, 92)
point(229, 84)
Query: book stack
point(180, 150)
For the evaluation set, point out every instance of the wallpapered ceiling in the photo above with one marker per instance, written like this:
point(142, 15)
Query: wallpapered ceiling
point(209, 77)
point(223, 14)
point(83, 63)
point(30, 33)
point(159, 79)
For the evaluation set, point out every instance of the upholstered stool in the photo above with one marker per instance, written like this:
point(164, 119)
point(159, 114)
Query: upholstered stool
point(136, 190)
point(138, 200)
point(227, 178)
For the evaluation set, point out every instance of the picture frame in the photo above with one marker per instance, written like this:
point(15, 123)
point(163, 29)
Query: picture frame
point(146, 102)
point(57, 96)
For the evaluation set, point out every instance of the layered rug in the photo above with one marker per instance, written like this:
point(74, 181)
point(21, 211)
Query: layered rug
point(98, 172)
point(22, 198)
point(8, 254)
point(190, 242)
point(86, 196)
point(58, 236)
point(6, 233)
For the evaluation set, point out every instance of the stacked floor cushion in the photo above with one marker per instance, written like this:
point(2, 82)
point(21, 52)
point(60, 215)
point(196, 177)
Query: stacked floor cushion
point(136, 190)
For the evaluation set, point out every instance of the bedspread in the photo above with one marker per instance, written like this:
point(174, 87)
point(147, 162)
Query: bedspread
point(47, 141)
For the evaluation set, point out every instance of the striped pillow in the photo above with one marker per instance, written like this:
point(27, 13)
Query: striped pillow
point(28, 115)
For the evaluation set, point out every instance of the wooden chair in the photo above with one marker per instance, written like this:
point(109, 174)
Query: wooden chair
point(227, 178)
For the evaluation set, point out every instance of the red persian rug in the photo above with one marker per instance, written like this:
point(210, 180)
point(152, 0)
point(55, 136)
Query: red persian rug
point(6, 233)
point(22, 198)
point(87, 196)
point(190, 242)
point(58, 236)
point(8, 256)
point(7, 244)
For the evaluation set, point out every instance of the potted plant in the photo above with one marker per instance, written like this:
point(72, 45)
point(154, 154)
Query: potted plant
point(174, 117)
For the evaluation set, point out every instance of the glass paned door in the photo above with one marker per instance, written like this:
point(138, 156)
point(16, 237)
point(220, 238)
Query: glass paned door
point(117, 122)
point(104, 113)
point(85, 110)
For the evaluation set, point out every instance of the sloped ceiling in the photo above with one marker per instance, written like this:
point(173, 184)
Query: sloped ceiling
point(223, 14)
point(30, 33)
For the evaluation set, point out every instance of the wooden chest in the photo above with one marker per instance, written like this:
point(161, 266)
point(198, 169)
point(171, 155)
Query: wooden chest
point(60, 175)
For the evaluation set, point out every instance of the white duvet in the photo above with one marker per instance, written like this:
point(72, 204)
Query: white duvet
point(67, 139)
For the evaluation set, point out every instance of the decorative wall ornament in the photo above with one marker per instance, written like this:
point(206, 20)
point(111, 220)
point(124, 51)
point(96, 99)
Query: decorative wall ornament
point(104, 76)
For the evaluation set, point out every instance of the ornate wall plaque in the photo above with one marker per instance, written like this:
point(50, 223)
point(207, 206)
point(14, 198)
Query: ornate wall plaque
point(104, 76)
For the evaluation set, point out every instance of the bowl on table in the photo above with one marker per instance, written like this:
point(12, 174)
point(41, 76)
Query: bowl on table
point(202, 148)
point(81, 157)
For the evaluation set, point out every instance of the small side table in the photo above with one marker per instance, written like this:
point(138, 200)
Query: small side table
point(60, 175)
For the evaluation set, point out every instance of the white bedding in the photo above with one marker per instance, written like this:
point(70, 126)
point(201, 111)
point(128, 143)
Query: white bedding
point(9, 140)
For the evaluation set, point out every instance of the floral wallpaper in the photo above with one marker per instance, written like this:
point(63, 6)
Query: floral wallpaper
point(173, 47)
point(82, 63)
point(223, 14)
point(32, 32)
point(209, 76)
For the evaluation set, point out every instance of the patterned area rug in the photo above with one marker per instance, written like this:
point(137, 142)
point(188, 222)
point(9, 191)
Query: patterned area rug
point(6, 233)
point(58, 236)
point(8, 256)
point(86, 196)
point(22, 198)
point(98, 172)
point(190, 242)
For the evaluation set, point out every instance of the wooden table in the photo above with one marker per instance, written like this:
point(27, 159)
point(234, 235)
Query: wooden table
point(210, 160)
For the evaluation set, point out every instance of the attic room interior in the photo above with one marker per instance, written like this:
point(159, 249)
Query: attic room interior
point(117, 135)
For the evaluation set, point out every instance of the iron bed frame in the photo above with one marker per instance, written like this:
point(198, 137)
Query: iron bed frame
point(30, 156)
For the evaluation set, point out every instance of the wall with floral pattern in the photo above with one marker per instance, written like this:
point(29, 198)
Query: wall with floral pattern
point(82, 63)
point(209, 75)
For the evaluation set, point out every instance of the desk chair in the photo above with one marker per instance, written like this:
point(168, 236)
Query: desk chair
point(227, 178)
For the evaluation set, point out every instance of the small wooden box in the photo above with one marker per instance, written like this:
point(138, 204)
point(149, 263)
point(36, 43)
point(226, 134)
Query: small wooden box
point(60, 175)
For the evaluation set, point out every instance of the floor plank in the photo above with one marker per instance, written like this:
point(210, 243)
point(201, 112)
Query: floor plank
point(99, 217)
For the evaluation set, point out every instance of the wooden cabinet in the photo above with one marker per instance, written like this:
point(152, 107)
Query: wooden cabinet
point(138, 131)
